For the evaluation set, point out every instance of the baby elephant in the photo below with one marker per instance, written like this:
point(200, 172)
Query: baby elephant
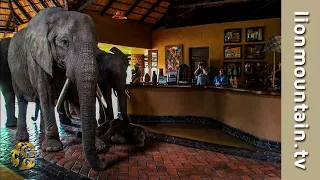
point(120, 132)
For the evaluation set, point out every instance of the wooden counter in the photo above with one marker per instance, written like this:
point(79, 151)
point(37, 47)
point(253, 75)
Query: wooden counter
point(255, 112)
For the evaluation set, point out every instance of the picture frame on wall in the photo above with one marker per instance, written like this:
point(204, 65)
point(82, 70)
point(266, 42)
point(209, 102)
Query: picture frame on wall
point(174, 57)
point(254, 51)
point(232, 68)
point(232, 51)
point(232, 35)
point(255, 34)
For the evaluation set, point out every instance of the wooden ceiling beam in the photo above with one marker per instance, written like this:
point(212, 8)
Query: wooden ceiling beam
point(133, 7)
point(16, 17)
point(150, 10)
point(107, 7)
point(210, 3)
point(9, 21)
point(85, 5)
point(43, 4)
point(56, 3)
point(152, 4)
point(25, 14)
point(153, 10)
point(6, 30)
point(34, 7)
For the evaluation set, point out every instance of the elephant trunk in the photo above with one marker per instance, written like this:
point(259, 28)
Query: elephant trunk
point(86, 80)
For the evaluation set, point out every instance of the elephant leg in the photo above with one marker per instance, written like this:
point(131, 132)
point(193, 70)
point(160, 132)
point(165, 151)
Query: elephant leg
point(9, 98)
point(64, 119)
point(122, 98)
point(42, 124)
point(51, 141)
point(22, 132)
point(42, 128)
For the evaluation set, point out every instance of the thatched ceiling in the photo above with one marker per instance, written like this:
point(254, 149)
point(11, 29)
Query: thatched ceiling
point(161, 13)
point(16, 12)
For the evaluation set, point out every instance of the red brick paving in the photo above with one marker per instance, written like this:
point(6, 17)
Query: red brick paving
point(166, 161)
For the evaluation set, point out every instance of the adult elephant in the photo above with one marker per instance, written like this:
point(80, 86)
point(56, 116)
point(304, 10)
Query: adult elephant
point(112, 75)
point(57, 43)
point(6, 83)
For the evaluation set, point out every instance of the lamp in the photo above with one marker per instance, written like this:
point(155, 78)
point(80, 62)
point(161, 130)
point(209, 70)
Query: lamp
point(273, 45)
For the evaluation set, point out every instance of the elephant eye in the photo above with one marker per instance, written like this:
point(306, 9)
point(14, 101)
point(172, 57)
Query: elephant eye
point(65, 43)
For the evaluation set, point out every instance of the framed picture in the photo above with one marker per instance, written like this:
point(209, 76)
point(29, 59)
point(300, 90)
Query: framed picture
point(232, 35)
point(232, 51)
point(254, 51)
point(174, 57)
point(232, 68)
point(255, 34)
point(256, 68)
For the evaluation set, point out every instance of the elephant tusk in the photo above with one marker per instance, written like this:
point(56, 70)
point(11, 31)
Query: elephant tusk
point(63, 94)
point(100, 96)
point(127, 93)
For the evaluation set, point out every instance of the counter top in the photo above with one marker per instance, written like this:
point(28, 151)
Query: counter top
point(244, 90)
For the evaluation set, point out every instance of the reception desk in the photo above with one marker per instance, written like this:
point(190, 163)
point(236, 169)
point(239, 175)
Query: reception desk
point(252, 115)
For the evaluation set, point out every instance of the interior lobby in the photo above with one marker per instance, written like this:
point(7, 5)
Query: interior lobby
point(214, 129)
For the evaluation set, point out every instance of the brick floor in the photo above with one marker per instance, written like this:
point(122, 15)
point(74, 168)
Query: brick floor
point(158, 160)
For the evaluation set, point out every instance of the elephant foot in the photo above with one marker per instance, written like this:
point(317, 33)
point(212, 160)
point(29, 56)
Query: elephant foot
point(65, 120)
point(52, 144)
point(11, 122)
point(22, 135)
point(100, 145)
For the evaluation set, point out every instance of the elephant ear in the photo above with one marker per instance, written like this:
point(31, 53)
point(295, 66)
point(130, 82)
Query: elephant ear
point(39, 46)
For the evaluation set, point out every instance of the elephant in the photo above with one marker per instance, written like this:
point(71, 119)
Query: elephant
point(112, 74)
point(55, 55)
point(119, 132)
point(6, 83)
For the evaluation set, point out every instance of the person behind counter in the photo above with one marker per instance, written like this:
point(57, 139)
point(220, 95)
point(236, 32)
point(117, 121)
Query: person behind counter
point(203, 73)
point(220, 79)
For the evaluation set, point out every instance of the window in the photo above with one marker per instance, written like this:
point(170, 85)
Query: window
point(152, 61)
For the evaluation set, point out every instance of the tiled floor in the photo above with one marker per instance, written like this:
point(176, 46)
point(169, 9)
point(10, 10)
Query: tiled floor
point(158, 160)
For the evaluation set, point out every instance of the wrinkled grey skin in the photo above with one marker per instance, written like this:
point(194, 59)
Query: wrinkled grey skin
point(56, 41)
point(6, 83)
point(113, 74)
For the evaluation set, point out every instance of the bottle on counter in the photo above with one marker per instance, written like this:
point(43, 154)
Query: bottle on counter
point(154, 77)
point(235, 82)
point(147, 77)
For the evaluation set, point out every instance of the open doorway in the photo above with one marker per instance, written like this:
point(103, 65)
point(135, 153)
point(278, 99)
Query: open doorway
point(196, 55)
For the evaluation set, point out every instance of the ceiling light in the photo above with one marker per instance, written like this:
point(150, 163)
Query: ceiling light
point(119, 16)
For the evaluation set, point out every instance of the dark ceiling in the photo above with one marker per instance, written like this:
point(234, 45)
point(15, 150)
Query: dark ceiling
point(183, 13)
point(160, 13)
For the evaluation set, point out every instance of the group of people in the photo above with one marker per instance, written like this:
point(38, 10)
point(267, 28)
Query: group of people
point(203, 75)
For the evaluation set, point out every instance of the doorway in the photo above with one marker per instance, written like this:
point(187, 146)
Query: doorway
point(196, 55)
